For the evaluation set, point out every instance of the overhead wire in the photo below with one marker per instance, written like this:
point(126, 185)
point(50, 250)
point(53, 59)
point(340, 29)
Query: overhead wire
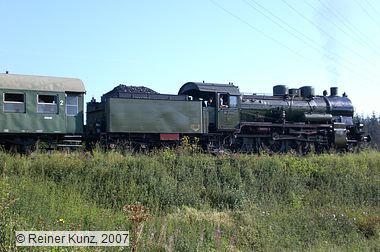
point(329, 35)
point(348, 25)
point(273, 39)
point(372, 8)
point(344, 20)
point(265, 34)
point(310, 42)
point(367, 13)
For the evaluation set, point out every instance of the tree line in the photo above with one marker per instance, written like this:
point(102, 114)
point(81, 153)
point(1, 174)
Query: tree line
point(372, 128)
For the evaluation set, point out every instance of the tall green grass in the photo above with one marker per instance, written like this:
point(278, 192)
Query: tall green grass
point(198, 202)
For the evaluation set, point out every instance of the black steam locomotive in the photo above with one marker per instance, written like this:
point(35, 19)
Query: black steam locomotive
point(221, 118)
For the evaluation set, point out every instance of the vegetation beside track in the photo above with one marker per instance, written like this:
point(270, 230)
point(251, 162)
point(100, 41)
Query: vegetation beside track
point(197, 202)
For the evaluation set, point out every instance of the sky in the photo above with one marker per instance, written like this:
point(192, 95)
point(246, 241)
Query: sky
point(255, 44)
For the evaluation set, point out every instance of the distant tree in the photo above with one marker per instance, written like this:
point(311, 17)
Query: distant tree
point(372, 128)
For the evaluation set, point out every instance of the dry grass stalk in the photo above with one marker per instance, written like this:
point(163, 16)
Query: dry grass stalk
point(138, 214)
point(232, 247)
point(201, 238)
point(218, 238)
point(170, 246)
point(162, 236)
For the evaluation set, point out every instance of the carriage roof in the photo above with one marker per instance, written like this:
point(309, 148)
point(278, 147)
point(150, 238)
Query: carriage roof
point(41, 83)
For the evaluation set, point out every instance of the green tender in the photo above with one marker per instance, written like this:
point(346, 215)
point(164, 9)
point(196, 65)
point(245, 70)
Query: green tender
point(154, 116)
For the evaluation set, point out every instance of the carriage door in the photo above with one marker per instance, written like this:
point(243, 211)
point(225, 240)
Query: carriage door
point(74, 114)
point(228, 116)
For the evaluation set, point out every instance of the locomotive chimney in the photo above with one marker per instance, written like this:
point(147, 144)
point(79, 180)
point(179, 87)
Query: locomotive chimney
point(333, 91)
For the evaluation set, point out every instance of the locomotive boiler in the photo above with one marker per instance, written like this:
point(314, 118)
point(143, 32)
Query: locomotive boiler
point(300, 119)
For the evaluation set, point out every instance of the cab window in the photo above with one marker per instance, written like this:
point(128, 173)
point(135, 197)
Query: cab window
point(47, 104)
point(14, 102)
point(233, 101)
point(223, 101)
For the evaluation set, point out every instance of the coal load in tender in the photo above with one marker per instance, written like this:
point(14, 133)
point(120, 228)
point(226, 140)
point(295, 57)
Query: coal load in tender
point(124, 91)
point(131, 89)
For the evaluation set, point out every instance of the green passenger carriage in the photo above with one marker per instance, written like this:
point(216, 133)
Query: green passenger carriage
point(40, 108)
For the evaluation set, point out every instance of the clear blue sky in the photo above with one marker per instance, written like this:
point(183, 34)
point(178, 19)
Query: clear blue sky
point(162, 44)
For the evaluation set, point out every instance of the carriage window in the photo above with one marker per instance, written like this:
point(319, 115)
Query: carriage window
point(14, 102)
point(71, 105)
point(47, 104)
point(233, 101)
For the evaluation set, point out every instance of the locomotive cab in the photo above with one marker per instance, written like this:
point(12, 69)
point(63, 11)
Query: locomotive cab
point(228, 116)
point(223, 112)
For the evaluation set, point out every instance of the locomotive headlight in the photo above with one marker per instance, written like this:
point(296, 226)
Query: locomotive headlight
point(367, 139)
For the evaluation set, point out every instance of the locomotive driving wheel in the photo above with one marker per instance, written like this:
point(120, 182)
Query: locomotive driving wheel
point(276, 147)
point(307, 148)
point(294, 147)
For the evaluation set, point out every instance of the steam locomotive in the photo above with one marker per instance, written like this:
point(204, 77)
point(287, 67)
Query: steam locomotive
point(217, 116)
point(221, 118)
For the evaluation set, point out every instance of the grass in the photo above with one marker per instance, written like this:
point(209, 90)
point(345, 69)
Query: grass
point(198, 202)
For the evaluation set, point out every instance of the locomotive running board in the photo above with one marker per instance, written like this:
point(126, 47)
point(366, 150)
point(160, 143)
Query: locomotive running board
point(280, 125)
